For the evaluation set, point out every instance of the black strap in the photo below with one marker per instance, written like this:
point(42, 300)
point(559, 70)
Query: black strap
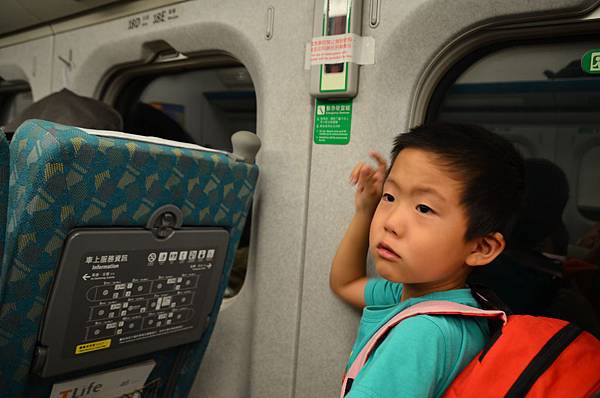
point(488, 299)
point(542, 361)
point(348, 386)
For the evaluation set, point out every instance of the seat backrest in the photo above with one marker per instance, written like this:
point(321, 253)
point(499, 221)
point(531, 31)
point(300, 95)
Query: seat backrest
point(64, 179)
point(4, 167)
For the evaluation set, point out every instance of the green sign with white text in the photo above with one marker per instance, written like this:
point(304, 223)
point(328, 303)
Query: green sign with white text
point(590, 62)
point(332, 121)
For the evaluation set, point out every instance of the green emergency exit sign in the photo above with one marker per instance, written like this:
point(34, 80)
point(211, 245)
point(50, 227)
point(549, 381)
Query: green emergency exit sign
point(590, 62)
point(332, 121)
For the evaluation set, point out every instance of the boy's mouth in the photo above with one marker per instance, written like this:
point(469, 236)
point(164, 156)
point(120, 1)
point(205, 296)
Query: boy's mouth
point(386, 252)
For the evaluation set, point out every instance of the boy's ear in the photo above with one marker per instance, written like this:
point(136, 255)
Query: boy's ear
point(486, 249)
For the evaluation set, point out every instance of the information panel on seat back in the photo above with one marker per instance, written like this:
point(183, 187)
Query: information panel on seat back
point(122, 293)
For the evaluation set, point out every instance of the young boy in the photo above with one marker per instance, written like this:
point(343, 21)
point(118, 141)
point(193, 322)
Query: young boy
point(442, 208)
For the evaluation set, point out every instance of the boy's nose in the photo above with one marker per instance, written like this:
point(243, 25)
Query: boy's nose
point(395, 221)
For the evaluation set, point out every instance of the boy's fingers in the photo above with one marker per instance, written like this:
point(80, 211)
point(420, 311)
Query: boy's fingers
point(377, 157)
point(364, 175)
point(355, 172)
point(360, 174)
point(367, 180)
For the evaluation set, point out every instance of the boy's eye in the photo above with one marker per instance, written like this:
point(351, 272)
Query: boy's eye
point(386, 197)
point(424, 209)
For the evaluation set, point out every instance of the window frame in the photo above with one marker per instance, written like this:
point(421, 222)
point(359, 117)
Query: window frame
point(114, 89)
point(456, 57)
point(114, 82)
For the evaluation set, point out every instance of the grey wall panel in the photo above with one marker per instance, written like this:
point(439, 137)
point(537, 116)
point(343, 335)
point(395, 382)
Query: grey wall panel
point(253, 350)
point(407, 39)
point(31, 61)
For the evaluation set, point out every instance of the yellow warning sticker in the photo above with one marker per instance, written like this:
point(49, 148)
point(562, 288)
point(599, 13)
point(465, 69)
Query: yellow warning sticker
point(93, 346)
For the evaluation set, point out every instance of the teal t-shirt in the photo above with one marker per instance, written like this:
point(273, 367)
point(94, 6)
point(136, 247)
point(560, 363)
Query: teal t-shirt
point(421, 355)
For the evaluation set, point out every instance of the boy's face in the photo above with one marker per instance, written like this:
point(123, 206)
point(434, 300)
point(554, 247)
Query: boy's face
point(418, 230)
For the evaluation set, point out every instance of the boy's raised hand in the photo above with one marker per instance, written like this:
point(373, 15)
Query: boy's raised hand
point(348, 275)
point(369, 183)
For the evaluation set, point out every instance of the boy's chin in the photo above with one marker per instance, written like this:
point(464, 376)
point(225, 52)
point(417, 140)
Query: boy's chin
point(383, 270)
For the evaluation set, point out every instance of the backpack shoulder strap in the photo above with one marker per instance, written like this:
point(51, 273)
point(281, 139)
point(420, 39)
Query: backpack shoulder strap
point(433, 307)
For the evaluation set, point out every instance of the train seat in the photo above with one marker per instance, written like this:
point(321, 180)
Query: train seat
point(118, 249)
point(4, 167)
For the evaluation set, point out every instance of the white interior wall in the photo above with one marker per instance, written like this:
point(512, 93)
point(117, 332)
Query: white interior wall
point(30, 61)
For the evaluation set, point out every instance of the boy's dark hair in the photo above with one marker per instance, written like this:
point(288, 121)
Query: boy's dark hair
point(491, 169)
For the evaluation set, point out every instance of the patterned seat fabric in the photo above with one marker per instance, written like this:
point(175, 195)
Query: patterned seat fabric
point(4, 167)
point(61, 178)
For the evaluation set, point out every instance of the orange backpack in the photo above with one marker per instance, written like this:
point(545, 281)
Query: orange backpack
point(530, 356)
